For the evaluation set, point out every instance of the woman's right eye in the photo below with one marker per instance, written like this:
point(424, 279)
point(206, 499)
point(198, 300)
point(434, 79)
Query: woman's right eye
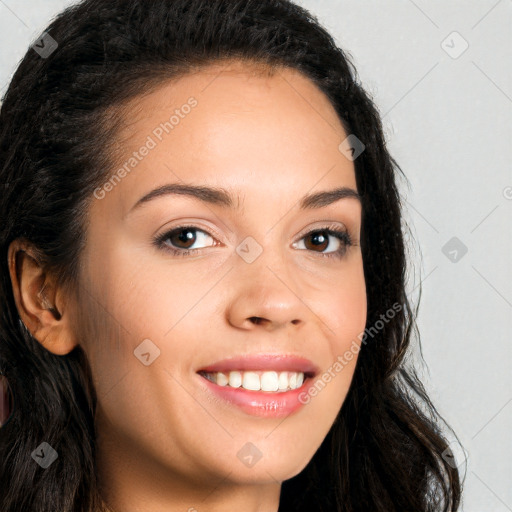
point(182, 238)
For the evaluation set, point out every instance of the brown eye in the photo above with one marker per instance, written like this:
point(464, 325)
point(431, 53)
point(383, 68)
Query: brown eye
point(182, 238)
point(320, 239)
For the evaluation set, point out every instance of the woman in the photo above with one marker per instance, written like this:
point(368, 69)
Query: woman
point(203, 303)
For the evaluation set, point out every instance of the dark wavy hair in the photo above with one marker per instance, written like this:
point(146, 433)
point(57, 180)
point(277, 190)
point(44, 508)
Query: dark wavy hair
point(386, 450)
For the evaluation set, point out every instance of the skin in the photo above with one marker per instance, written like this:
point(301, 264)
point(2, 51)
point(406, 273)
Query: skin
point(164, 442)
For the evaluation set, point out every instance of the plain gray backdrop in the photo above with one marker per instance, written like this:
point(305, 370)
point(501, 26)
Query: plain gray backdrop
point(440, 74)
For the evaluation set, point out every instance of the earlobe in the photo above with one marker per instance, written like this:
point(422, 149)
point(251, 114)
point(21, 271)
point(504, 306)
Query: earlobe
point(36, 297)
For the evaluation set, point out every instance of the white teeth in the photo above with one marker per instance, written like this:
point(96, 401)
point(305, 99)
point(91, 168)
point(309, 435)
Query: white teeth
point(283, 380)
point(269, 381)
point(222, 380)
point(235, 379)
point(251, 380)
point(256, 381)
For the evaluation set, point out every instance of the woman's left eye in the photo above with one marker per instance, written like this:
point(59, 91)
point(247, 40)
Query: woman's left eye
point(183, 238)
point(320, 240)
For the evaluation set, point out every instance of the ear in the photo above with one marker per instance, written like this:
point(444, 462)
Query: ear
point(41, 305)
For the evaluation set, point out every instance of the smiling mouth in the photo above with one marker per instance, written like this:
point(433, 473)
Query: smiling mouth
point(266, 381)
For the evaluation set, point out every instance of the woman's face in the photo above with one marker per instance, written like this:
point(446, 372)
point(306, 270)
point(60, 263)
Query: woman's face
point(257, 282)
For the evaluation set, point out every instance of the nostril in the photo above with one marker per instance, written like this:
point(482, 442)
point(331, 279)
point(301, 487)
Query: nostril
point(255, 319)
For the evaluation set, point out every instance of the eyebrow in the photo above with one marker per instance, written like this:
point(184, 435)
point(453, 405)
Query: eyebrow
point(221, 197)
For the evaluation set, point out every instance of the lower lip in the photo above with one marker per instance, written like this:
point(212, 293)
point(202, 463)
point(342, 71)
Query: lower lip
point(261, 403)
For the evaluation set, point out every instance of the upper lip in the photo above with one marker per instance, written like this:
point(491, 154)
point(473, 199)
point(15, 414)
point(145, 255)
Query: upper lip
point(263, 362)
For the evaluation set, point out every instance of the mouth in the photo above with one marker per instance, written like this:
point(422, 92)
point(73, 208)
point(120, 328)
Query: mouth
point(264, 385)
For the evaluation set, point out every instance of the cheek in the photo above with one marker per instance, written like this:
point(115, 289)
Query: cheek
point(346, 320)
point(138, 307)
point(345, 304)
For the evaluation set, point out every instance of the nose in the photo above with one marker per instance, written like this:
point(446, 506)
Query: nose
point(264, 295)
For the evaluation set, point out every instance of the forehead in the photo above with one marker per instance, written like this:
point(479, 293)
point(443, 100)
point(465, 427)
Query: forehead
point(233, 125)
point(234, 88)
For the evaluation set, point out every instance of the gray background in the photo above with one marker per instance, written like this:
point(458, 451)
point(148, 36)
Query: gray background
point(448, 121)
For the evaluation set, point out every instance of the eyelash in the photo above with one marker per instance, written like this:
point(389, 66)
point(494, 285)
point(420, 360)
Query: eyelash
point(342, 235)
